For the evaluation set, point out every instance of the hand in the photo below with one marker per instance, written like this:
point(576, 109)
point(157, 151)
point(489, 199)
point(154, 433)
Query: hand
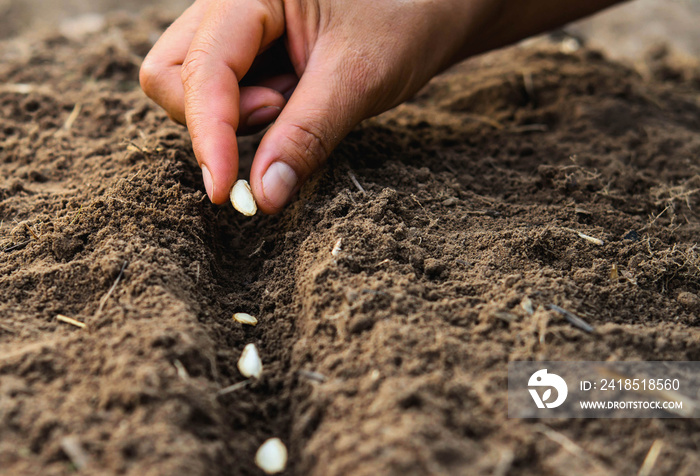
point(219, 70)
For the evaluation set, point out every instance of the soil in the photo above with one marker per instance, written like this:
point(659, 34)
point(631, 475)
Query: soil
point(388, 357)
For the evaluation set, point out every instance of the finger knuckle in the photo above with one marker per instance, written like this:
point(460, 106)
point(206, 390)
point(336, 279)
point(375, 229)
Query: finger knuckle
point(308, 147)
point(271, 12)
point(192, 66)
point(149, 75)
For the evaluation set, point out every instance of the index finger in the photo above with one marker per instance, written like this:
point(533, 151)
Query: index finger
point(231, 35)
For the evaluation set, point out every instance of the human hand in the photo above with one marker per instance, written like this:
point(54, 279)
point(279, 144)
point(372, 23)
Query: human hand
point(353, 60)
point(218, 70)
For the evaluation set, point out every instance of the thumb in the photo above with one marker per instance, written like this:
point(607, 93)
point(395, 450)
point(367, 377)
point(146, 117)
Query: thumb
point(320, 113)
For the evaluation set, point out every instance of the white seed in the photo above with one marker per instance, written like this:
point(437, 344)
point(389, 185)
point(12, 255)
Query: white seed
point(569, 45)
point(338, 247)
point(244, 318)
point(250, 364)
point(595, 241)
point(527, 306)
point(242, 198)
point(272, 456)
point(590, 239)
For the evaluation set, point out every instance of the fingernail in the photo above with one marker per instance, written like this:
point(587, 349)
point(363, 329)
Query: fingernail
point(262, 116)
point(279, 183)
point(208, 181)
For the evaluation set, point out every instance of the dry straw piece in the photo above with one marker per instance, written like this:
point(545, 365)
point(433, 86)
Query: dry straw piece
point(70, 320)
point(250, 364)
point(245, 318)
point(272, 456)
point(242, 198)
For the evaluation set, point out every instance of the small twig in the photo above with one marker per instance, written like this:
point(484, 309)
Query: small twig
point(573, 319)
point(415, 199)
point(31, 232)
point(132, 147)
point(657, 216)
point(562, 440)
point(311, 375)
point(111, 290)
point(72, 117)
point(70, 320)
point(357, 184)
point(650, 460)
point(653, 218)
point(257, 250)
point(76, 215)
point(233, 388)
point(570, 446)
point(351, 197)
point(17, 246)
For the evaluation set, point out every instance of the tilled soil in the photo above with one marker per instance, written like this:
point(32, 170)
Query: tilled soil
point(387, 357)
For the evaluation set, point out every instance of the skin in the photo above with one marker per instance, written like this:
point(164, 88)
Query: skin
point(316, 68)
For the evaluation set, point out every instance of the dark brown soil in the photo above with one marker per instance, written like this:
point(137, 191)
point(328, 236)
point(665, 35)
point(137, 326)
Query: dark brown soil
point(472, 193)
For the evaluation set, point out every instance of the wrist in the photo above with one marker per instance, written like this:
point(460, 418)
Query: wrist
point(492, 24)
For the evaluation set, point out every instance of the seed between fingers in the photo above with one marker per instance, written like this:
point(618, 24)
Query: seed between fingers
point(242, 198)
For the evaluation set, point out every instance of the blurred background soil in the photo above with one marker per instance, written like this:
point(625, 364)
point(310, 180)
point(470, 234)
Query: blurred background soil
point(389, 356)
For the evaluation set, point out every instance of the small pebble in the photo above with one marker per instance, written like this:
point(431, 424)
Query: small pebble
point(250, 364)
point(272, 456)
